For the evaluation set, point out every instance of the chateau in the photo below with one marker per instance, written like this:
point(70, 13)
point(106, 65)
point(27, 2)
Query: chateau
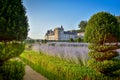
point(59, 34)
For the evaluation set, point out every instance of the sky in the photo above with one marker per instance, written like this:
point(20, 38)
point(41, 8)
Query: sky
point(44, 15)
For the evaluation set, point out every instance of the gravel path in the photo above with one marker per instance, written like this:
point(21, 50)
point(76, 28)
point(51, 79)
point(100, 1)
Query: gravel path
point(30, 74)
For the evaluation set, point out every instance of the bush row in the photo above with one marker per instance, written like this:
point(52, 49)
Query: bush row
point(57, 69)
point(12, 70)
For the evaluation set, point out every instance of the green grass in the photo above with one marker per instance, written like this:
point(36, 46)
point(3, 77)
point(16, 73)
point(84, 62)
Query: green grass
point(58, 69)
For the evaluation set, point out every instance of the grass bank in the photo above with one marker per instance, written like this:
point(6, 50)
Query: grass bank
point(57, 69)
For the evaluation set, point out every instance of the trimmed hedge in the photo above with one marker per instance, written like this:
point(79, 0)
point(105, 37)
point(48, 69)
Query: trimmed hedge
point(106, 66)
point(100, 56)
point(102, 48)
point(103, 59)
point(12, 70)
point(102, 32)
point(13, 21)
point(101, 28)
point(10, 49)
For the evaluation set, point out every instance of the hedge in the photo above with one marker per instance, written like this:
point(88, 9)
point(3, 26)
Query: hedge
point(12, 70)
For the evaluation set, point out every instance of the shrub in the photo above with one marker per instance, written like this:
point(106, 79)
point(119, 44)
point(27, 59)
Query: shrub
point(13, 31)
point(102, 48)
point(102, 31)
point(71, 40)
point(12, 70)
point(10, 49)
point(102, 27)
point(78, 40)
point(13, 20)
point(100, 56)
point(106, 66)
point(14, 28)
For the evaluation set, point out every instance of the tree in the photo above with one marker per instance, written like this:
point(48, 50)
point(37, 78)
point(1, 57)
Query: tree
point(13, 32)
point(13, 21)
point(78, 39)
point(71, 40)
point(14, 25)
point(102, 31)
point(82, 25)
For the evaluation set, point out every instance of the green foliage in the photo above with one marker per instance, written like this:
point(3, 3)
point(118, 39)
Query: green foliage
point(82, 25)
point(13, 31)
point(102, 27)
point(57, 69)
point(78, 40)
point(103, 58)
point(13, 20)
point(106, 67)
point(12, 70)
point(102, 48)
point(30, 41)
point(44, 41)
point(10, 49)
point(102, 52)
point(100, 56)
point(118, 19)
point(102, 30)
point(71, 40)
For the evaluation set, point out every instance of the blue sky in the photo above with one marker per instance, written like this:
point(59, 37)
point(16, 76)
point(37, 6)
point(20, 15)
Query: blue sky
point(48, 14)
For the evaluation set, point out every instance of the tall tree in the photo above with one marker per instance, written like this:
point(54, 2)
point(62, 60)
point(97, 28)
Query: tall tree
point(82, 25)
point(13, 20)
point(13, 31)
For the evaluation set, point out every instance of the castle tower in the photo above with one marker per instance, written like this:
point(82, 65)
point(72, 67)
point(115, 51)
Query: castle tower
point(58, 32)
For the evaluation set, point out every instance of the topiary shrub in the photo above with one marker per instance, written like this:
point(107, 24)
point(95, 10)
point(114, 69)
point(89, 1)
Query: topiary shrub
point(12, 70)
point(105, 66)
point(13, 20)
point(102, 32)
point(13, 32)
point(10, 49)
point(100, 56)
point(102, 27)
point(102, 48)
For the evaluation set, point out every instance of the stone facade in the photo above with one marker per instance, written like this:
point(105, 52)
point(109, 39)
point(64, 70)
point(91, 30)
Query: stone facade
point(60, 34)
